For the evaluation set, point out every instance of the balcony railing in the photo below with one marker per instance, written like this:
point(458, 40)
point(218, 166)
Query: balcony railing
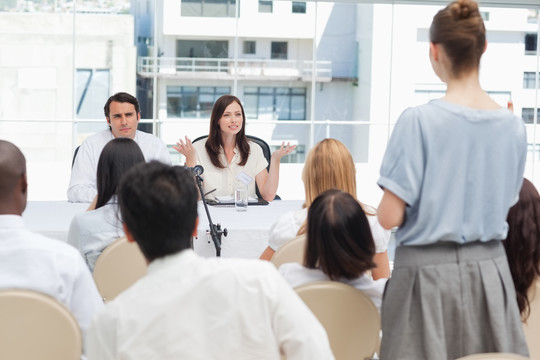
point(187, 68)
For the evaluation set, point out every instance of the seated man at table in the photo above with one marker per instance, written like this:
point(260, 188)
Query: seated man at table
point(187, 306)
point(32, 261)
point(122, 114)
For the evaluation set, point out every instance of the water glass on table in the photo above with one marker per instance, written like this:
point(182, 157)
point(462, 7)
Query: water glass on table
point(241, 197)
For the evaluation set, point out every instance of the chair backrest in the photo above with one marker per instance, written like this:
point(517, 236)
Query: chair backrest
point(350, 318)
point(532, 326)
point(266, 152)
point(75, 155)
point(36, 326)
point(292, 251)
point(494, 356)
point(118, 267)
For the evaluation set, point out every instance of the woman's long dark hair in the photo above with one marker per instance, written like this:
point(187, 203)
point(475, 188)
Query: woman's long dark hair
point(339, 240)
point(523, 243)
point(118, 156)
point(214, 143)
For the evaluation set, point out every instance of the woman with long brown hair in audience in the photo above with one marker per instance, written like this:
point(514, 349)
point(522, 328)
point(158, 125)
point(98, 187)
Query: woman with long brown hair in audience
point(522, 243)
point(339, 246)
point(329, 165)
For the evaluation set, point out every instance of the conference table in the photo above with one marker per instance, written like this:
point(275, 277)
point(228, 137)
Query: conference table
point(247, 232)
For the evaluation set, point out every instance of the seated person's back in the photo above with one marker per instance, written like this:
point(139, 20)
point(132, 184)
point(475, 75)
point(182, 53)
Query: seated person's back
point(35, 262)
point(191, 307)
point(93, 230)
point(339, 246)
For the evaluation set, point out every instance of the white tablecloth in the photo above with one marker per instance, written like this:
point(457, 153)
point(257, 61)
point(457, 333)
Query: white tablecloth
point(247, 231)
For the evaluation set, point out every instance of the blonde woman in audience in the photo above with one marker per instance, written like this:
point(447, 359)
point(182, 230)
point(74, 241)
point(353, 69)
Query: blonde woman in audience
point(94, 230)
point(339, 246)
point(329, 165)
point(522, 244)
point(453, 168)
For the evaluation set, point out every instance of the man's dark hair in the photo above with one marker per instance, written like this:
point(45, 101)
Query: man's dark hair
point(158, 203)
point(118, 156)
point(121, 97)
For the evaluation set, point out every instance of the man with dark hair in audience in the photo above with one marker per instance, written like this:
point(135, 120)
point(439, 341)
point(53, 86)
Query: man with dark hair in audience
point(189, 307)
point(32, 261)
point(123, 115)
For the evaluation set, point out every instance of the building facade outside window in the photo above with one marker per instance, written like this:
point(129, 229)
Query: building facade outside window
point(193, 102)
point(208, 8)
point(276, 103)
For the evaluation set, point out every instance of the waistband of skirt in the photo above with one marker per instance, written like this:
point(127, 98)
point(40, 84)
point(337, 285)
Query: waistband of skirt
point(445, 252)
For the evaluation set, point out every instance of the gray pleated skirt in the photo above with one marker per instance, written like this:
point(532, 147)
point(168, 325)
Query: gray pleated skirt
point(447, 300)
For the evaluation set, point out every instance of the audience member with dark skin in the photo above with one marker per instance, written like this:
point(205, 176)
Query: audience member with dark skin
point(32, 261)
point(13, 183)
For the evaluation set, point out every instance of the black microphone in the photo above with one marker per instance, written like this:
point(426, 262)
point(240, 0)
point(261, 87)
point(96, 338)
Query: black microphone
point(197, 169)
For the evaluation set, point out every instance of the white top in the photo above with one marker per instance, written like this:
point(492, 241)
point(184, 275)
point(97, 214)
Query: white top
point(82, 184)
point(224, 180)
point(91, 231)
point(288, 224)
point(188, 307)
point(35, 262)
point(298, 275)
point(459, 170)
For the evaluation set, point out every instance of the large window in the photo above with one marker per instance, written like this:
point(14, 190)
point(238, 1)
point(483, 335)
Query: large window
point(304, 70)
point(92, 92)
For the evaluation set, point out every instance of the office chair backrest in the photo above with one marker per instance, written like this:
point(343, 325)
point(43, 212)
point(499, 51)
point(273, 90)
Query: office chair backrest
point(118, 267)
point(36, 326)
point(350, 318)
point(292, 251)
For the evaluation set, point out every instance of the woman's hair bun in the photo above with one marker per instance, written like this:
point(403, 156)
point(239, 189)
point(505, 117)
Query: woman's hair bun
point(463, 9)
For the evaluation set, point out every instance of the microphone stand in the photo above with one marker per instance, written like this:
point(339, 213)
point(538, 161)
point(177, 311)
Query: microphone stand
point(215, 230)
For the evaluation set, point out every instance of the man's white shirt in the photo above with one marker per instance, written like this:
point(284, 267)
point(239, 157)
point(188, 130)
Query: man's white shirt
point(82, 184)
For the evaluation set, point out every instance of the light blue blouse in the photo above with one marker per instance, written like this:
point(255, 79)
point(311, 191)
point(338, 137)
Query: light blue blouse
point(458, 170)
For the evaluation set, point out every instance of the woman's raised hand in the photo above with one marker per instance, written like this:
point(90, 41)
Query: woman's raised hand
point(185, 148)
point(283, 150)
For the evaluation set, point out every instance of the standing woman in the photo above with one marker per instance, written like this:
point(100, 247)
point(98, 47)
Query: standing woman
point(227, 154)
point(452, 169)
